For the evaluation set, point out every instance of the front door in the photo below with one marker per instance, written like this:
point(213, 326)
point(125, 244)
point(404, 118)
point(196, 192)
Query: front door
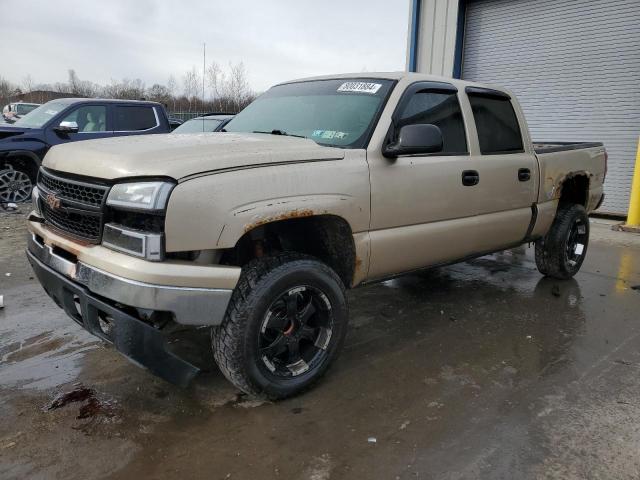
point(422, 213)
point(92, 120)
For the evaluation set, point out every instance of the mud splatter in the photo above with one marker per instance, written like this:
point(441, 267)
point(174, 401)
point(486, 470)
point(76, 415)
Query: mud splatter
point(92, 408)
point(78, 394)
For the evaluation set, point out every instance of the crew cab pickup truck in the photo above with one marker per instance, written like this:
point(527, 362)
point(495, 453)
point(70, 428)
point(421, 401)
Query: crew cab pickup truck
point(318, 186)
point(24, 144)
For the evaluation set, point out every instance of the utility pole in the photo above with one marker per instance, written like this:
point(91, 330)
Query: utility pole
point(204, 71)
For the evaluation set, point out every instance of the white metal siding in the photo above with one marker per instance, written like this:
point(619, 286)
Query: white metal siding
point(575, 67)
point(436, 37)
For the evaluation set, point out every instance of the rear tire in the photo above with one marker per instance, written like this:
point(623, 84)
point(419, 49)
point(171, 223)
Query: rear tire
point(560, 253)
point(284, 326)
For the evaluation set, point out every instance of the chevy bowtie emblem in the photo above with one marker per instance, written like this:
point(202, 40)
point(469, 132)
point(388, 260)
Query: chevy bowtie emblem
point(53, 201)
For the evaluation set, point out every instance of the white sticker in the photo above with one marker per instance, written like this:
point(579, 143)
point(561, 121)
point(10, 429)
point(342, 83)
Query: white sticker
point(579, 249)
point(329, 134)
point(360, 87)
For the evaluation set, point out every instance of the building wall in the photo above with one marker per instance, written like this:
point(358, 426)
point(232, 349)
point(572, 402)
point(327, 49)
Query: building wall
point(575, 67)
point(436, 32)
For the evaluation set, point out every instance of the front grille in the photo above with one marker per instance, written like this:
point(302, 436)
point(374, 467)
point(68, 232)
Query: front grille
point(81, 225)
point(72, 206)
point(73, 190)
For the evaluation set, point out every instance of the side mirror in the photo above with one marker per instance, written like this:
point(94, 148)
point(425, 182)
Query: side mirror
point(67, 127)
point(414, 140)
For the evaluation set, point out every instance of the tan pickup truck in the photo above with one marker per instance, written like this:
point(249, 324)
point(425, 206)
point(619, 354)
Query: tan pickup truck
point(318, 186)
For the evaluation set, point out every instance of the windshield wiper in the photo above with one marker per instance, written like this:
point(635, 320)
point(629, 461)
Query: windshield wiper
point(280, 132)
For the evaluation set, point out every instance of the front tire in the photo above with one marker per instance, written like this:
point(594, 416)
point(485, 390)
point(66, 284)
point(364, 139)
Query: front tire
point(560, 253)
point(285, 325)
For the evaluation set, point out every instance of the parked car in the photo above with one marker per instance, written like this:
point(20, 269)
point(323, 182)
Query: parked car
point(24, 144)
point(174, 122)
point(13, 111)
point(319, 186)
point(213, 122)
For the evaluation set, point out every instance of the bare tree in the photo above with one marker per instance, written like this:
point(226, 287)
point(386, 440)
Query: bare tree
point(159, 93)
point(81, 88)
point(172, 85)
point(126, 89)
point(6, 90)
point(237, 85)
point(229, 89)
point(27, 83)
point(215, 80)
point(190, 84)
point(74, 82)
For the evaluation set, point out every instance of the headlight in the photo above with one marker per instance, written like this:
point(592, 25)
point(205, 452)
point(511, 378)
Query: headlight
point(146, 196)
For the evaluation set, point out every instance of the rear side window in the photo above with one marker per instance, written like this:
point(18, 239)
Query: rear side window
point(497, 124)
point(135, 118)
point(441, 109)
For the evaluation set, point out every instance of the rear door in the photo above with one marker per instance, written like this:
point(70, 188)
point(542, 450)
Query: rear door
point(507, 169)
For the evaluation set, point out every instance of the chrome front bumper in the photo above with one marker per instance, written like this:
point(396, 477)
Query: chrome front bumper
point(189, 306)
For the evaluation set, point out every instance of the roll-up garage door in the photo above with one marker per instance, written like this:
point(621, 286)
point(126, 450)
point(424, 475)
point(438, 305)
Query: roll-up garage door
point(575, 67)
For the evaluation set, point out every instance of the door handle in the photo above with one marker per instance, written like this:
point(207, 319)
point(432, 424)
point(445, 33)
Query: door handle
point(470, 178)
point(524, 174)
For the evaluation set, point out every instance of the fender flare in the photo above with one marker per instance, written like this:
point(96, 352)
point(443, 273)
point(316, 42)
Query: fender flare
point(7, 156)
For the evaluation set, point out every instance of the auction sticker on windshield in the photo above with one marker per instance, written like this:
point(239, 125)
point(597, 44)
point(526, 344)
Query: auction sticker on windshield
point(360, 87)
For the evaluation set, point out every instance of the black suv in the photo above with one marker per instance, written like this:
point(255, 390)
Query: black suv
point(24, 144)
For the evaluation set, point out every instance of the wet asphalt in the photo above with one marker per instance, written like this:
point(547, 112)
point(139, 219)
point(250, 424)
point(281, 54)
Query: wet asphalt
point(478, 370)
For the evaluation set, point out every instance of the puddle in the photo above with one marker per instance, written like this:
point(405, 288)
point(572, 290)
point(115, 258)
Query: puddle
point(39, 351)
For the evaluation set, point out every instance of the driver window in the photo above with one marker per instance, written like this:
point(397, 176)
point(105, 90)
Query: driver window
point(441, 109)
point(92, 118)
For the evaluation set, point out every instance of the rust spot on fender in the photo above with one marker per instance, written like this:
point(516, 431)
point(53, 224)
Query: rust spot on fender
point(276, 218)
point(358, 263)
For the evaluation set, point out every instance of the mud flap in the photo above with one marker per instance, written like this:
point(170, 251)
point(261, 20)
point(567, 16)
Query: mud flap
point(139, 342)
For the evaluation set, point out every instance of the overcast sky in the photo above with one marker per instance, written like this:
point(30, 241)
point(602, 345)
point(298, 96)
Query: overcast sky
point(147, 39)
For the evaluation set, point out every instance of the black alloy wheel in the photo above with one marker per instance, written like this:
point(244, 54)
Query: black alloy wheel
point(296, 332)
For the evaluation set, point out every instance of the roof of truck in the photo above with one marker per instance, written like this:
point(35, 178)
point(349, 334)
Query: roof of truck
point(401, 75)
point(101, 100)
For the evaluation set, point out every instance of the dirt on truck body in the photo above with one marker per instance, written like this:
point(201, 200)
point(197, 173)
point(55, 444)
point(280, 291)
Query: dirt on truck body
point(318, 186)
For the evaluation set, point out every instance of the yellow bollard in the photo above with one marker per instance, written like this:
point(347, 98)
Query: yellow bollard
point(633, 217)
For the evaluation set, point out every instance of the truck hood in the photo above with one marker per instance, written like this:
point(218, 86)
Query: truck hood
point(179, 156)
point(7, 130)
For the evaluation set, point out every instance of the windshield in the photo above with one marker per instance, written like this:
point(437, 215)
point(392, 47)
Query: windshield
point(41, 115)
point(198, 125)
point(331, 112)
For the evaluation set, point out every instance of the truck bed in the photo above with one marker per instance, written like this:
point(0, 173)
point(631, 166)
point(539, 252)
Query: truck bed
point(550, 147)
point(559, 161)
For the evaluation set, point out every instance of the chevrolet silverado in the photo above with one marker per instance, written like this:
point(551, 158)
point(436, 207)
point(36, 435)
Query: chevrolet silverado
point(319, 186)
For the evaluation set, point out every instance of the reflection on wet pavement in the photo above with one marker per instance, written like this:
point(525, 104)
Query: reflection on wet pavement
point(478, 370)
